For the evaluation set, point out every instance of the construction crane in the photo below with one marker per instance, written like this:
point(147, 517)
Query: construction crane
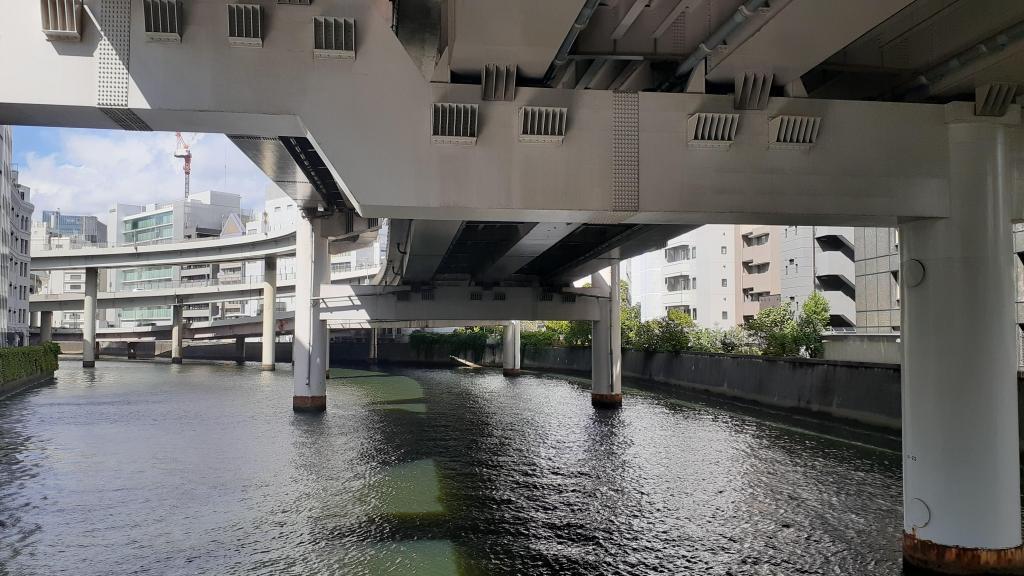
point(184, 152)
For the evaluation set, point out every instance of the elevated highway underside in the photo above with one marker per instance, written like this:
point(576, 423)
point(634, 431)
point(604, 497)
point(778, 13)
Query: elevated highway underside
point(518, 145)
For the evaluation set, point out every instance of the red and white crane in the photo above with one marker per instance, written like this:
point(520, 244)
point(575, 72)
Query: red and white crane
point(184, 152)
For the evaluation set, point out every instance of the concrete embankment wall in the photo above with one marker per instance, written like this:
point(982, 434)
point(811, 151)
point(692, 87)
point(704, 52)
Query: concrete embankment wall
point(864, 392)
point(191, 350)
point(8, 388)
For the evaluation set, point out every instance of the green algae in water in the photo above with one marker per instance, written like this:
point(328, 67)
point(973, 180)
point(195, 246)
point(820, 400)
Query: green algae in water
point(413, 488)
point(414, 558)
point(382, 389)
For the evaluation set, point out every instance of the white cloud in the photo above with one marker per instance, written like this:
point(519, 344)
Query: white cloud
point(91, 170)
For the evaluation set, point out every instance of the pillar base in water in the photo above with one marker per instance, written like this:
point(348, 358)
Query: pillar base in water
point(267, 367)
point(606, 400)
point(176, 360)
point(511, 371)
point(309, 403)
point(88, 363)
point(942, 559)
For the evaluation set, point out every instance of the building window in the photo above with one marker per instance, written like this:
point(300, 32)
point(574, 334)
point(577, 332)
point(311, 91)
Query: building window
point(725, 282)
point(677, 253)
point(725, 315)
point(725, 250)
point(678, 283)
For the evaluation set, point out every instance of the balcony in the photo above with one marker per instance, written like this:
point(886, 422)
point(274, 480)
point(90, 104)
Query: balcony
point(835, 264)
point(761, 282)
point(750, 308)
point(190, 272)
point(842, 234)
point(756, 254)
point(841, 306)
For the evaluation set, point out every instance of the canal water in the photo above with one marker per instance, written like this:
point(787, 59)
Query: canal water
point(139, 468)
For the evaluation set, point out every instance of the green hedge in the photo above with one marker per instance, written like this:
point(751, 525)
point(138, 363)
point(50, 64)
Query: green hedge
point(17, 363)
point(459, 342)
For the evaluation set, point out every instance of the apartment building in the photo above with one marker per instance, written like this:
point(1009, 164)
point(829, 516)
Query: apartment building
point(758, 259)
point(877, 256)
point(695, 274)
point(820, 259)
point(208, 214)
point(15, 248)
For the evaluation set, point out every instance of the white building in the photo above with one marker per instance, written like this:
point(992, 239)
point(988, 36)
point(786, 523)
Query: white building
point(15, 248)
point(208, 214)
point(694, 274)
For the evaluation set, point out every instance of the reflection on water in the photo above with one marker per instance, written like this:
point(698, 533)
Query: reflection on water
point(203, 469)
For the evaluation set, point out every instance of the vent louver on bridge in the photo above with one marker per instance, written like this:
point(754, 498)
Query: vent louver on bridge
point(455, 123)
point(61, 19)
point(498, 82)
point(334, 38)
point(163, 20)
point(752, 90)
point(994, 99)
point(796, 132)
point(299, 2)
point(542, 124)
point(245, 25)
point(712, 130)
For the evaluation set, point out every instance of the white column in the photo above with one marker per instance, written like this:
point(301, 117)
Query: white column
point(510, 350)
point(606, 347)
point(961, 474)
point(89, 318)
point(45, 326)
point(312, 265)
point(327, 350)
point(176, 333)
point(373, 347)
point(269, 315)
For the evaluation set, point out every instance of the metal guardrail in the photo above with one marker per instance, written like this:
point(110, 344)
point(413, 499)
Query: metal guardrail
point(254, 281)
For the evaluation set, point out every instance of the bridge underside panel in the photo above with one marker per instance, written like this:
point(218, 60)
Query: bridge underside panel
point(630, 159)
point(339, 305)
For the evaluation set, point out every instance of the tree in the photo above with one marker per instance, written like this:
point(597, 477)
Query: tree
point(814, 317)
point(776, 330)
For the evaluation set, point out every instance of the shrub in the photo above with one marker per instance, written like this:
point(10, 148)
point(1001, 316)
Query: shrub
point(17, 363)
point(458, 342)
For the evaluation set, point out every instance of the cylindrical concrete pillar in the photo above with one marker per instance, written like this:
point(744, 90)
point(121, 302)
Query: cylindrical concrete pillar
point(606, 347)
point(327, 350)
point(268, 335)
point(374, 353)
point(312, 266)
point(240, 350)
point(176, 333)
point(510, 350)
point(45, 326)
point(961, 472)
point(89, 318)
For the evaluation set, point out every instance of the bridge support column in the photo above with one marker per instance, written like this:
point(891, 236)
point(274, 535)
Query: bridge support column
point(45, 326)
point(606, 348)
point(132, 351)
point(89, 318)
point(240, 350)
point(373, 355)
point(327, 350)
point(961, 472)
point(312, 266)
point(176, 333)
point(511, 350)
point(268, 336)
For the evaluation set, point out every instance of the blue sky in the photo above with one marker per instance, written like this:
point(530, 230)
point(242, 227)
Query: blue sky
point(86, 171)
